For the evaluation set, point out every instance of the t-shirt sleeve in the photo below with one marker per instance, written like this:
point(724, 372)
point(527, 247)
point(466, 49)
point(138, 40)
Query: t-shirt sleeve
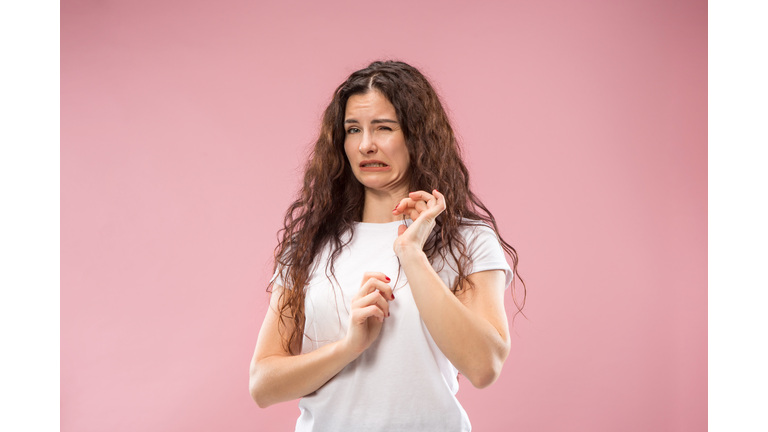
point(281, 276)
point(486, 252)
point(277, 278)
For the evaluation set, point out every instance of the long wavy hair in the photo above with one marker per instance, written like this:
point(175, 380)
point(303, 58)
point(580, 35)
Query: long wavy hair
point(331, 198)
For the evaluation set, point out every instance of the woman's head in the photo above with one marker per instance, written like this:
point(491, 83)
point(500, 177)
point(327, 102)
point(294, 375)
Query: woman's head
point(374, 144)
point(420, 116)
point(415, 140)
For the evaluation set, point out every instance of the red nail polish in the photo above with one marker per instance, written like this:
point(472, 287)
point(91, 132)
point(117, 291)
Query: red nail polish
point(393, 296)
point(388, 279)
point(388, 314)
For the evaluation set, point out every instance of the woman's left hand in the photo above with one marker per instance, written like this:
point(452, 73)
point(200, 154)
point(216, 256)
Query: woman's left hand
point(423, 209)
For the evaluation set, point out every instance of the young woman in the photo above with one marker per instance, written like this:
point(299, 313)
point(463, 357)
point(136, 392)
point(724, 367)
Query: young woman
point(390, 274)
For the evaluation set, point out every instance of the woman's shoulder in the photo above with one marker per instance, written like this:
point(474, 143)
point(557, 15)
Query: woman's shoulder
point(474, 227)
point(475, 233)
point(481, 238)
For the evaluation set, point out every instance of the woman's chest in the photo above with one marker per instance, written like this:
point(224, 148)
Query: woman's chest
point(334, 285)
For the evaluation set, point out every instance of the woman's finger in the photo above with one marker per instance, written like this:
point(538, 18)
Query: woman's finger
point(420, 206)
point(438, 205)
point(375, 281)
point(406, 205)
point(374, 298)
point(439, 199)
point(402, 205)
point(361, 314)
point(374, 275)
point(421, 196)
point(375, 284)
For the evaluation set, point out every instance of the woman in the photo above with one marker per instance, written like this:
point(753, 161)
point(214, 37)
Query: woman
point(400, 276)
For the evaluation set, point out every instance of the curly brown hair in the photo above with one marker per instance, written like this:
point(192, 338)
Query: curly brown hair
point(331, 198)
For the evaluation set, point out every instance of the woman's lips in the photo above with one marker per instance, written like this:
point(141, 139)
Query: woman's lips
point(374, 165)
point(375, 168)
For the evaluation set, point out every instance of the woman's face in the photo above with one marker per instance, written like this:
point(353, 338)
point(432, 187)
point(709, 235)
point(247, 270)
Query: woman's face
point(374, 143)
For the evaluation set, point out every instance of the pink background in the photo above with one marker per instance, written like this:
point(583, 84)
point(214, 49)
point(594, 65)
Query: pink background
point(184, 125)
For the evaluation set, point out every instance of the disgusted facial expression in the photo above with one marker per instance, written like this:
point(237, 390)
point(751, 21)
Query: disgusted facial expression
point(374, 142)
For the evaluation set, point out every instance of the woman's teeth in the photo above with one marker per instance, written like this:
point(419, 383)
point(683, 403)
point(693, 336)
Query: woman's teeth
point(375, 165)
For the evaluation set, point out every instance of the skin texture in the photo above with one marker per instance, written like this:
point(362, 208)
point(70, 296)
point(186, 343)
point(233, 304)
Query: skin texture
point(470, 328)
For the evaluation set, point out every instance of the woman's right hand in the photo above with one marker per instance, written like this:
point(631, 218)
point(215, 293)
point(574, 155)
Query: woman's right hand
point(370, 307)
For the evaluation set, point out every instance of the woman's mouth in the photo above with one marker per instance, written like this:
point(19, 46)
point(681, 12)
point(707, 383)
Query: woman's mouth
point(373, 166)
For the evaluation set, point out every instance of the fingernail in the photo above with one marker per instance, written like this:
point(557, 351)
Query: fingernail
point(388, 314)
point(388, 279)
point(393, 296)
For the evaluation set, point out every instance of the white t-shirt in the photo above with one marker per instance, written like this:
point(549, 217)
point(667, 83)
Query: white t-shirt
point(402, 382)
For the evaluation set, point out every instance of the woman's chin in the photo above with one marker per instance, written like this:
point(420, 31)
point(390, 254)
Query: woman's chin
point(386, 187)
point(384, 184)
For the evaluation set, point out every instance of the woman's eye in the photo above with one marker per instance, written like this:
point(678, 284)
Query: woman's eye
point(353, 130)
point(386, 128)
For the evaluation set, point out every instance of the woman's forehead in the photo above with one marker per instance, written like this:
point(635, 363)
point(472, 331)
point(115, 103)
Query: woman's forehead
point(370, 104)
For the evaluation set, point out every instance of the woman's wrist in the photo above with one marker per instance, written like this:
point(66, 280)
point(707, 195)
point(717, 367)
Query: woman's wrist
point(345, 350)
point(408, 252)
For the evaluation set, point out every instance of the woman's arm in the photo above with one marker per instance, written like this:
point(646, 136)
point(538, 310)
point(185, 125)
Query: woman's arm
point(277, 376)
point(471, 328)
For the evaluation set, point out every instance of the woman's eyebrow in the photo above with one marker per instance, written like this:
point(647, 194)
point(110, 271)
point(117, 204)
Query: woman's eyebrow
point(375, 121)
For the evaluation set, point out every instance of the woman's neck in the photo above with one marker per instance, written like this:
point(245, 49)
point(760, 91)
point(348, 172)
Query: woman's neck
point(379, 205)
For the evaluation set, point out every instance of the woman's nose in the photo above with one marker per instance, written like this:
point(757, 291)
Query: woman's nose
point(367, 146)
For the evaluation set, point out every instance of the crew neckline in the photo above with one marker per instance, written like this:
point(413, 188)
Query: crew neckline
point(381, 226)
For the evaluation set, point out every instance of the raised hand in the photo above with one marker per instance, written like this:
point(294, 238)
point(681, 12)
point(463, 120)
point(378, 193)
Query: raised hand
point(423, 208)
point(370, 307)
